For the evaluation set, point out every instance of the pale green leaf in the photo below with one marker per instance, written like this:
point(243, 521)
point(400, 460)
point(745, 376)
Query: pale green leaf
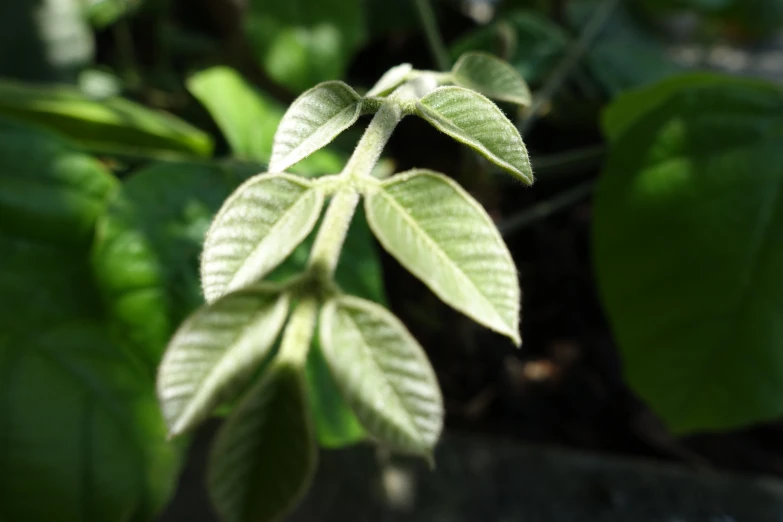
point(688, 251)
point(491, 77)
point(257, 228)
point(472, 119)
point(111, 125)
point(315, 119)
point(383, 374)
point(445, 238)
point(215, 351)
point(265, 455)
point(390, 79)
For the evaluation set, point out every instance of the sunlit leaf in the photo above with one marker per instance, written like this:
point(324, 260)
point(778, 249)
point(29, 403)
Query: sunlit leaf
point(316, 118)
point(383, 373)
point(257, 228)
point(492, 77)
point(249, 119)
point(112, 125)
point(472, 119)
point(391, 79)
point(103, 13)
point(445, 238)
point(264, 457)
point(215, 351)
point(688, 250)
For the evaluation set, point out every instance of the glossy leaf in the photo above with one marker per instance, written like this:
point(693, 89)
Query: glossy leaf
point(472, 119)
point(383, 373)
point(315, 119)
point(688, 221)
point(112, 125)
point(492, 77)
point(146, 253)
point(302, 43)
point(249, 119)
point(445, 238)
point(390, 80)
point(215, 351)
point(257, 228)
point(76, 403)
point(264, 457)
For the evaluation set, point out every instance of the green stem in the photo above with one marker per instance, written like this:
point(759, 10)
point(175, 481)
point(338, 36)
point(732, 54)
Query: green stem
point(434, 38)
point(299, 331)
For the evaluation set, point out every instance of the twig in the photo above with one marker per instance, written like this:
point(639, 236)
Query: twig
point(575, 52)
point(434, 38)
point(546, 208)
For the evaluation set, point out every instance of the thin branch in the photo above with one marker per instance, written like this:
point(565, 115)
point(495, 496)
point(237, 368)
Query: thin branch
point(546, 208)
point(434, 38)
point(571, 59)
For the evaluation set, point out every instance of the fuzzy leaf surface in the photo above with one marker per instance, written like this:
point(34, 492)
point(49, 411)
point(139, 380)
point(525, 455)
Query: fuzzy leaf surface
point(445, 238)
point(216, 350)
point(474, 120)
point(315, 119)
point(390, 79)
point(492, 77)
point(383, 374)
point(257, 228)
point(264, 457)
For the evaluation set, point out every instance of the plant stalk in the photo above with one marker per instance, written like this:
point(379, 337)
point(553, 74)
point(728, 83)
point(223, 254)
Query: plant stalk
point(434, 38)
point(298, 334)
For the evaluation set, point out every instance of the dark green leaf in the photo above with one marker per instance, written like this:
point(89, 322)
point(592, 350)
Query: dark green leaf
point(265, 455)
point(492, 77)
point(103, 13)
point(112, 125)
point(688, 221)
point(302, 43)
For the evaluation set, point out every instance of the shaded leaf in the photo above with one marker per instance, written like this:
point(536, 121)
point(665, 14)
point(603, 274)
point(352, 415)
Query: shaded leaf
point(445, 238)
point(472, 119)
point(257, 228)
point(215, 351)
point(112, 125)
point(390, 80)
point(264, 457)
point(492, 77)
point(302, 43)
point(249, 119)
point(688, 220)
point(103, 13)
point(383, 373)
point(315, 119)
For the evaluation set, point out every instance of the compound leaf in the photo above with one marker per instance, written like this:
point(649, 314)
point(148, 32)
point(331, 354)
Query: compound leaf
point(215, 351)
point(383, 373)
point(257, 228)
point(472, 119)
point(491, 77)
point(265, 455)
point(688, 221)
point(315, 119)
point(446, 239)
point(390, 79)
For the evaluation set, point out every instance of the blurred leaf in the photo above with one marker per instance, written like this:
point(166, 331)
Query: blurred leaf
point(48, 191)
point(216, 351)
point(529, 41)
point(315, 119)
point(445, 238)
point(249, 119)
point(107, 458)
point(383, 373)
point(472, 119)
point(44, 40)
point(265, 455)
point(146, 256)
point(302, 43)
point(256, 229)
point(102, 13)
point(492, 77)
point(688, 221)
point(623, 55)
point(112, 125)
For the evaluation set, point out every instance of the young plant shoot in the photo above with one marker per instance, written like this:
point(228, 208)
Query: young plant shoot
point(264, 456)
